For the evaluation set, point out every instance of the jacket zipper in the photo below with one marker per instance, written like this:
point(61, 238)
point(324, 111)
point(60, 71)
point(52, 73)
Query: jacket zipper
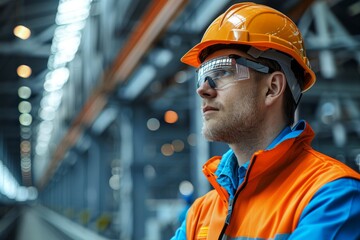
point(232, 201)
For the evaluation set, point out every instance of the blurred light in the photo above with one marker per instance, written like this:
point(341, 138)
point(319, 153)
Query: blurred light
point(167, 149)
point(192, 139)
point(47, 113)
point(25, 119)
point(354, 9)
point(70, 44)
point(43, 137)
point(41, 148)
point(149, 172)
point(71, 11)
point(22, 32)
point(59, 60)
point(327, 64)
point(46, 127)
point(139, 81)
point(8, 184)
point(25, 135)
point(339, 134)
point(21, 194)
point(153, 124)
point(178, 145)
point(24, 107)
point(162, 57)
point(186, 188)
point(33, 193)
point(171, 116)
point(181, 77)
point(25, 164)
point(55, 79)
point(72, 17)
point(114, 182)
point(329, 112)
point(72, 5)
point(51, 99)
point(25, 146)
point(105, 118)
point(116, 171)
point(24, 92)
point(62, 32)
point(26, 129)
point(24, 71)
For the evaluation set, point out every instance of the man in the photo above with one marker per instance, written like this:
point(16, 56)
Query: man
point(271, 184)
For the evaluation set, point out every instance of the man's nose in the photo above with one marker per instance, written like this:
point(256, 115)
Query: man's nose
point(205, 91)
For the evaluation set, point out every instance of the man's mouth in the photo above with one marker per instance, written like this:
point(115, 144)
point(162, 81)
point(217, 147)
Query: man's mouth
point(206, 109)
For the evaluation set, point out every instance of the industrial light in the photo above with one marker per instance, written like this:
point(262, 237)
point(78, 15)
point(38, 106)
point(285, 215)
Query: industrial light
point(41, 148)
point(178, 145)
point(46, 127)
point(141, 79)
point(167, 149)
point(25, 146)
point(24, 92)
point(114, 182)
point(153, 124)
point(47, 113)
point(191, 139)
point(25, 134)
point(72, 11)
point(22, 32)
point(25, 119)
point(24, 71)
point(171, 116)
point(24, 107)
point(186, 188)
point(56, 79)
point(10, 188)
point(52, 99)
point(25, 165)
point(104, 120)
point(161, 57)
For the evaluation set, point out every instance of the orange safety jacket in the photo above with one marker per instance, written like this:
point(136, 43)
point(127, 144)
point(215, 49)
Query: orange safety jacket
point(268, 204)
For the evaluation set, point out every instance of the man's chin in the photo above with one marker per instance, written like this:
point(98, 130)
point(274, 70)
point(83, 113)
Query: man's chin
point(208, 134)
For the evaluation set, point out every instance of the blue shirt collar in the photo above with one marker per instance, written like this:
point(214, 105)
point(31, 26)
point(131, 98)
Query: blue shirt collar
point(230, 175)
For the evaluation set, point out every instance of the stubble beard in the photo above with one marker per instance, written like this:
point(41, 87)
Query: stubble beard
point(235, 127)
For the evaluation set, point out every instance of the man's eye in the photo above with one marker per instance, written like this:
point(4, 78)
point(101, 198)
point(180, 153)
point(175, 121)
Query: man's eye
point(222, 73)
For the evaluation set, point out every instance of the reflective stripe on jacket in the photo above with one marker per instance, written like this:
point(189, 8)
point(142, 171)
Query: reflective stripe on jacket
point(278, 186)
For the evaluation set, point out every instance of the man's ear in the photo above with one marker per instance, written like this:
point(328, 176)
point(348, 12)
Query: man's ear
point(276, 85)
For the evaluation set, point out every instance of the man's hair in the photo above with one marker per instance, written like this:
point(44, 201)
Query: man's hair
point(289, 102)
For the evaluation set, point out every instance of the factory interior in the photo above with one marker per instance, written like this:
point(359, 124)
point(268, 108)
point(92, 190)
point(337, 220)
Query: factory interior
point(100, 123)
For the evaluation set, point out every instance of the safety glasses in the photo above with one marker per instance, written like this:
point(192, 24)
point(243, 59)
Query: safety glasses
point(223, 72)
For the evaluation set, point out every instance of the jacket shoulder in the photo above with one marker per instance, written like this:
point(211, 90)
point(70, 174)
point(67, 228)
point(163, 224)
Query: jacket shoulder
point(326, 164)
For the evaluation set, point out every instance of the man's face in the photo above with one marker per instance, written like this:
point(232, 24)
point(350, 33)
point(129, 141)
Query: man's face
point(234, 112)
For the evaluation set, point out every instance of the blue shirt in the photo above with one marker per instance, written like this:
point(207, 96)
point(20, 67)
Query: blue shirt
point(331, 214)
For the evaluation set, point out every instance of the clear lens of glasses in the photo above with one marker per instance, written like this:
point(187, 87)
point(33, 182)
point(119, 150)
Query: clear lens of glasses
point(221, 72)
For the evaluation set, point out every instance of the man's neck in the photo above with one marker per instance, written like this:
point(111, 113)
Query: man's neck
point(245, 149)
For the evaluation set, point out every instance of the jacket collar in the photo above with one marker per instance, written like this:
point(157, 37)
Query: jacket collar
point(223, 170)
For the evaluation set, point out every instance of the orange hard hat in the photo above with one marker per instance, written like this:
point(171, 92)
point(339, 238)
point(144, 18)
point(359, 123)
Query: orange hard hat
point(259, 26)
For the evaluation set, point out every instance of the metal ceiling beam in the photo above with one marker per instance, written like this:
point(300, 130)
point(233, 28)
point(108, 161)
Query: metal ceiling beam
point(297, 12)
point(154, 21)
point(19, 48)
